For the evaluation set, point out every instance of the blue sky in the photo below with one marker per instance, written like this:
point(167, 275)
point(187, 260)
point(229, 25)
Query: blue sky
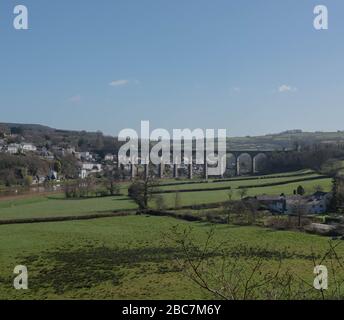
point(106, 65)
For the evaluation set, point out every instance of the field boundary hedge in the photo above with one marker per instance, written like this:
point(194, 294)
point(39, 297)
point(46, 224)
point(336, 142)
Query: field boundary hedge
point(191, 190)
point(68, 218)
point(182, 216)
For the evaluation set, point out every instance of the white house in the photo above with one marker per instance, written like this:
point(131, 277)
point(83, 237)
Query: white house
point(317, 203)
point(88, 168)
point(314, 204)
point(109, 157)
point(28, 147)
point(13, 148)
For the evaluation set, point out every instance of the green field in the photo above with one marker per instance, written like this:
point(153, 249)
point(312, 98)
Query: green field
point(233, 184)
point(128, 257)
point(57, 205)
point(125, 257)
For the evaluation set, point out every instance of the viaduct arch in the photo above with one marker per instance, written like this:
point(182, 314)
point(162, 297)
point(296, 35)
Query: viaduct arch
point(232, 157)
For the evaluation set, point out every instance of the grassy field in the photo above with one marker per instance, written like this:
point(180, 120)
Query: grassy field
point(234, 184)
point(125, 257)
point(58, 206)
point(128, 257)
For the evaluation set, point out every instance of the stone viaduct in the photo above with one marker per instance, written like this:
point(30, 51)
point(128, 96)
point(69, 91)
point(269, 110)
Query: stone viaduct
point(236, 157)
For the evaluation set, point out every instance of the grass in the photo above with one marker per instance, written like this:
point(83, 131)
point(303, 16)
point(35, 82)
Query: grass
point(234, 184)
point(58, 206)
point(125, 257)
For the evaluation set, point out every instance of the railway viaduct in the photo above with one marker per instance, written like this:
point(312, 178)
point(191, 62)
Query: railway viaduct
point(236, 157)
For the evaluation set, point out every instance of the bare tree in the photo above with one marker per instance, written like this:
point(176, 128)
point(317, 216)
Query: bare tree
point(88, 184)
point(299, 207)
point(142, 191)
point(228, 206)
point(252, 207)
point(111, 177)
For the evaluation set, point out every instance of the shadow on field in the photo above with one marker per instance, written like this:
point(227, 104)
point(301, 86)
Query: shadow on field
point(68, 269)
point(243, 251)
point(65, 270)
point(120, 196)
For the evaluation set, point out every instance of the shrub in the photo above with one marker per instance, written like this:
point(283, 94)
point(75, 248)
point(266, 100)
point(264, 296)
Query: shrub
point(28, 181)
point(214, 217)
point(285, 222)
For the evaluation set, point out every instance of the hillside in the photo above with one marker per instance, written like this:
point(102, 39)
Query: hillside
point(42, 135)
point(289, 140)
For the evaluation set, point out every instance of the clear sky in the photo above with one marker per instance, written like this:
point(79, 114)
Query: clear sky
point(251, 67)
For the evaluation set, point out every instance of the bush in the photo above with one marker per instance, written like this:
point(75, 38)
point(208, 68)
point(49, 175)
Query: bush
point(285, 222)
point(28, 181)
point(214, 217)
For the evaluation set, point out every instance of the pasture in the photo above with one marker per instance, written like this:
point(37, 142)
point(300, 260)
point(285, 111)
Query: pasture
point(57, 205)
point(131, 257)
point(126, 257)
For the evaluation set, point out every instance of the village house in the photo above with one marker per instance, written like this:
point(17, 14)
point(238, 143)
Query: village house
point(89, 168)
point(317, 203)
point(13, 148)
point(109, 157)
point(28, 147)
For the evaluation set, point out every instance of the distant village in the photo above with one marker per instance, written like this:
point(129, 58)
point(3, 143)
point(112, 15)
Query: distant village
point(88, 162)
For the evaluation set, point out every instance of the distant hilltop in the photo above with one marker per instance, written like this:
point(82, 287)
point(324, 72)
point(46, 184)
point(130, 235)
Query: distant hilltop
point(295, 131)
